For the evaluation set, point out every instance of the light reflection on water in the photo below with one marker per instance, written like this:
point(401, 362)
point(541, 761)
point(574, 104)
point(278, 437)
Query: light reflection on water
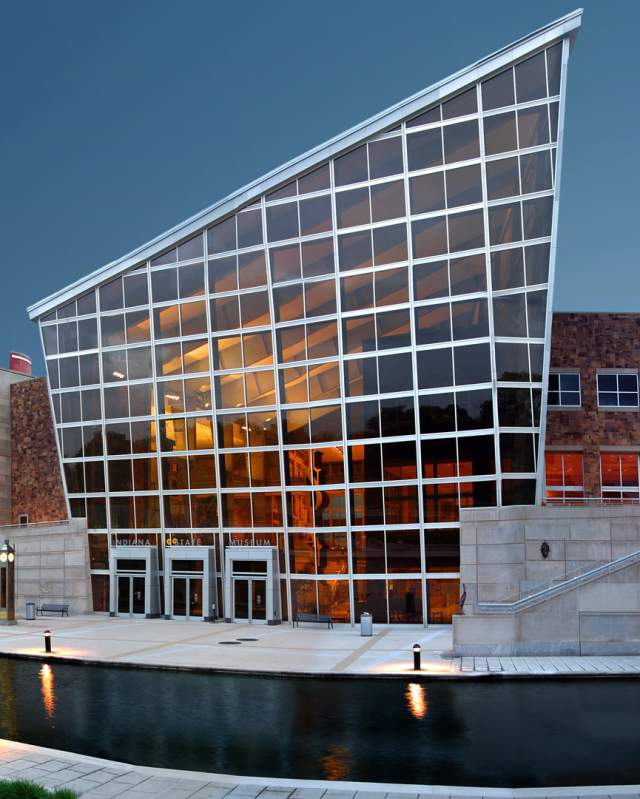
point(416, 696)
point(47, 690)
point(336, 763)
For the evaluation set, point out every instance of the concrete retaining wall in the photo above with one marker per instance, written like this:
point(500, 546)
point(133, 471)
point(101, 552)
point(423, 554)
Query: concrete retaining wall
point(52, 564)
point(501, 559)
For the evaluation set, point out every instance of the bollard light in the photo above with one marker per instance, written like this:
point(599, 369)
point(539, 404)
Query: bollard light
point(47, 641)
point(416, 657)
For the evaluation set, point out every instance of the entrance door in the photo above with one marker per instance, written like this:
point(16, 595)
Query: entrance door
point(131, 595)
point(187, 597)
point(249, 599)
point(195, 598)
point(241, 599)
point(258, 599)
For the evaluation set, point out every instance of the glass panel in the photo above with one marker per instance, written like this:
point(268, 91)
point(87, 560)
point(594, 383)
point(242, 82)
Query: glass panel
point(385, 158)
point(282, 221)
point(461, 141)
point(498, 91)
point(500, 133)
point(285, 263)
point(317, 257)
point(472, 364)
point(315, 215)
point(351, 167)
point(424, 149)
point(387, 201)
point(427, 193)
point(531, 78)
point(252, 270)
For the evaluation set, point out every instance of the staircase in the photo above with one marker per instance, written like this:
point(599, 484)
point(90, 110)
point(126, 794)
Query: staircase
point(538, 596)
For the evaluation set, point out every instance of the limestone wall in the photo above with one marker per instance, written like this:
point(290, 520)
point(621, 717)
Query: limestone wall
point(500, 549)
point(501, 558)
point(52, 564)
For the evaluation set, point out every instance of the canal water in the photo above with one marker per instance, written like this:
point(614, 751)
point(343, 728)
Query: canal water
point(503, 733)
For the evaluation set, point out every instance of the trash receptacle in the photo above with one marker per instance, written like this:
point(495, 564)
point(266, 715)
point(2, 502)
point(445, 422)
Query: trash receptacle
point(31, 611)
point(366, 624)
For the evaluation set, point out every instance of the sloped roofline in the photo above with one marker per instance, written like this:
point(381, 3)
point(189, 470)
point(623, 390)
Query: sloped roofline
point(567, 25)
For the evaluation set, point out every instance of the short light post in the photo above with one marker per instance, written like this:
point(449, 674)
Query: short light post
point(47, 641)
point(416, 657)
point(7, 584)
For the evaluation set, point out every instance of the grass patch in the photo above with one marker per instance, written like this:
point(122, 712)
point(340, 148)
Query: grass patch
point(23, 789)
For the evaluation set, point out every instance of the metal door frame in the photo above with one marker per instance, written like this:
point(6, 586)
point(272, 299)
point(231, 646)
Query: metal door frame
point(188, 578)
point(249, 579)
point(131, 576)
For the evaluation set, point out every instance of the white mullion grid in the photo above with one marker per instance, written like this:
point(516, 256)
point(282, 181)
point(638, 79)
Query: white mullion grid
point(540, 479)
point(343, 388)
point(489, 278)
point(103, 424)
point(155, 418)
point(278, 412)
point(414, 369)
point(56, 428)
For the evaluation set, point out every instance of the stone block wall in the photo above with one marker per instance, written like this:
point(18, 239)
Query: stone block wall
point(500, 552)
point(36, 482)
point(588, 342)
point(52, 564)
point(501, 559)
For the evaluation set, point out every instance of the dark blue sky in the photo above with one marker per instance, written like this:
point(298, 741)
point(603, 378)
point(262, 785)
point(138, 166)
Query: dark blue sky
point(121, 119)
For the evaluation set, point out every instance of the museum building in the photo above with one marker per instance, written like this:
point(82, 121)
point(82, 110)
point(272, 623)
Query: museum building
point(282, 404)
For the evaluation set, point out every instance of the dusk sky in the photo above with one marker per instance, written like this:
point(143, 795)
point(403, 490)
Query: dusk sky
point(120, 119)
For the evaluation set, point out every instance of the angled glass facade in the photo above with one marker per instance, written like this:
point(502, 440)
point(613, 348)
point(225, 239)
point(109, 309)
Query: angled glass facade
point(336, 368)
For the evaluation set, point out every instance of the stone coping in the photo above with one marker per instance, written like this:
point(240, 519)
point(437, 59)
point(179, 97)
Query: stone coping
point(94, 777)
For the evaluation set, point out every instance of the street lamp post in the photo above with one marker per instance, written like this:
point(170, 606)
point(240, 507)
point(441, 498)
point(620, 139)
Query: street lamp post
point(7, 584)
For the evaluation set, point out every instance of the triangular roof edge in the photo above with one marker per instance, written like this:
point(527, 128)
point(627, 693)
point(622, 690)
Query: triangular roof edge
point(539, 38)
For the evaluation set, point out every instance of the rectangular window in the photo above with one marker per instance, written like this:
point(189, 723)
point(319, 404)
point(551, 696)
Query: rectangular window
point(564, 475)
point(617, 389)
point(619, 475)
point(564, 390)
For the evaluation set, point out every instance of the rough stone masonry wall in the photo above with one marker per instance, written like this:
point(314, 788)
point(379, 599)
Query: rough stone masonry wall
point(36, 482)
point(7, 379)
point(588, 342)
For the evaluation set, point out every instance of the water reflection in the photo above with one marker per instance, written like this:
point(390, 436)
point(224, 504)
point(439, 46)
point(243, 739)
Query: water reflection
point(336, 763)
point(416, 696)
point(47, 690)
point(8, 718)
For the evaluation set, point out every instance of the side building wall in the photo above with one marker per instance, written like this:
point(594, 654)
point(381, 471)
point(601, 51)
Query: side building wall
point(587, 342)
point(52, 564)
point(36, 482)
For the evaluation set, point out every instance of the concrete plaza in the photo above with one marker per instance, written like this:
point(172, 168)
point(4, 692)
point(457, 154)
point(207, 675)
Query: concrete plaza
point(282, 649)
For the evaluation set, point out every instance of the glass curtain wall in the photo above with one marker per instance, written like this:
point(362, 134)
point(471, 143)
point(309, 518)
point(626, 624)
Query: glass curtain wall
point(335, 369)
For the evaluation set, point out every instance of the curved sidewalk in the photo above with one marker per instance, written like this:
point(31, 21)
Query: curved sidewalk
point(283, 649)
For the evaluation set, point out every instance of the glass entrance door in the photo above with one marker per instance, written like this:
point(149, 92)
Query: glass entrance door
point(258, 599)
point(249, 599)
point(187, 597)
point(241, 599)
point(131, 595)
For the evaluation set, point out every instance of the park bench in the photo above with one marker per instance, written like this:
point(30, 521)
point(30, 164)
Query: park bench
point(48, 607)
point(313, 618)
